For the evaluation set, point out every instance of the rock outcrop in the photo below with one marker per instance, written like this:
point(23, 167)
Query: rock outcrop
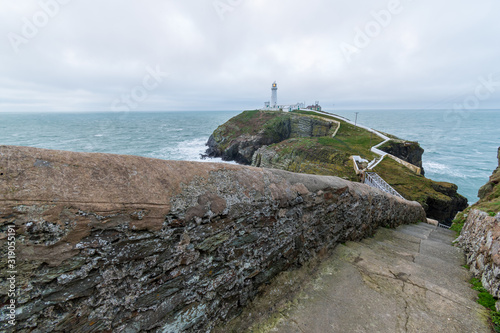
point(130, 244)
point(239, 138)
point(446, 204)
point(440, 200)
point(410, 152)
point(323, 144)
point(305, 156)
point(488, 189)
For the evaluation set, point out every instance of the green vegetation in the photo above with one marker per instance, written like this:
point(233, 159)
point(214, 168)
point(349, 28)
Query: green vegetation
point(305, 155)
point(390, 144)
point(491, 202)
point(275, 128)
point(459, 221)
point(351, 139)
point(249, 123)
point(303, 141)
point(488, 301)
point(312, 113)
point(272, 124)
point(323, 155)
point(391, 136)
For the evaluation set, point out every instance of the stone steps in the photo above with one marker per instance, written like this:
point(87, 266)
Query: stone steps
point(407, 279)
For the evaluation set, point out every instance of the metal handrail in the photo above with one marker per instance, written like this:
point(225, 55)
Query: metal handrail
point(374, 180)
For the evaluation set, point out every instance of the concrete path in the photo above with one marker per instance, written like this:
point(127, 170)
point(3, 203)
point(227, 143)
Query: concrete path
point(404, 280)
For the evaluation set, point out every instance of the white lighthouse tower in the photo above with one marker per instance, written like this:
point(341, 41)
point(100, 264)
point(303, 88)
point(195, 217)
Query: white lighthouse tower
point(274, 95)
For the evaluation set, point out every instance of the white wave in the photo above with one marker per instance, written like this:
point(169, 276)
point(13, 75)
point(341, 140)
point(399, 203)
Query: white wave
point(216, 160)
point(189, 150)
point(442, 169)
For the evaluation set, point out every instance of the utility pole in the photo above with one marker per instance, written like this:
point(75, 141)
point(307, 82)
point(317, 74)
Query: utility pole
point(356, 120)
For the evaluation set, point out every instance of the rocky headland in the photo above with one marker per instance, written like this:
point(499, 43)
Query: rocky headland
point(111, 243)
point(312, 143)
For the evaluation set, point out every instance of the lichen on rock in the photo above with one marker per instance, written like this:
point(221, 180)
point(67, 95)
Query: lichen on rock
point(160, 245)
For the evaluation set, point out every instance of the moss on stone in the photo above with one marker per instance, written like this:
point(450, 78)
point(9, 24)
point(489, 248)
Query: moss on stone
point(459, 221)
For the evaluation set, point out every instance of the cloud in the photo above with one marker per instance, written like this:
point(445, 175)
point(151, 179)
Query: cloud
point(83, 55)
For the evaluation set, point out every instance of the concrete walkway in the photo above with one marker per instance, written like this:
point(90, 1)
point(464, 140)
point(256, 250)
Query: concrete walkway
point(404, 280)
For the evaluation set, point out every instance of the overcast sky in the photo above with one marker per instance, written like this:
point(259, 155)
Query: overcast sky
point(90, 55)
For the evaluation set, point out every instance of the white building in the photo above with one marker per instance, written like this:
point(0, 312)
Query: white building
point(274, 95)
point(273, 105)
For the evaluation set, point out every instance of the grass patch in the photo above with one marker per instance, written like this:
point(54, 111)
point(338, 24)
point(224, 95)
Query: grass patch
point(305, 155)
point(351, 139)
point(488, 301)
point(312, 113)
point(249, 123)
point(491, 203)
point(484, 297)
point(458, 222)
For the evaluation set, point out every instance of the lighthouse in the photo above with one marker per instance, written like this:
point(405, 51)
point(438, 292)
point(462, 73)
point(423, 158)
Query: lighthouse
point(273, 104)
point(274, 95)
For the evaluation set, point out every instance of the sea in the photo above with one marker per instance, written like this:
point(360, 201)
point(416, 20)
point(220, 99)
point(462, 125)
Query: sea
point(460, 146)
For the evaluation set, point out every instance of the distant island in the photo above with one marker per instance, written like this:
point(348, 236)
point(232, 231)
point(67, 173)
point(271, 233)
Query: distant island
point(316, 142)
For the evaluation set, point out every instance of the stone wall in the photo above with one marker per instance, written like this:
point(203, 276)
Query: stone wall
point(129, 244)
point(480, 239)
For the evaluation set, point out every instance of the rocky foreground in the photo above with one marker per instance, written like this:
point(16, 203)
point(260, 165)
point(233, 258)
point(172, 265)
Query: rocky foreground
point(409, 279)
point(110, 243)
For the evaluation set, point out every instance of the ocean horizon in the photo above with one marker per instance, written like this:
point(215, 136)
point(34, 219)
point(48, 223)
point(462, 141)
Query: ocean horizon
point(460, 147)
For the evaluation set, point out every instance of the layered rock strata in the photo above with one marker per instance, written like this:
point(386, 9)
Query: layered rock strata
point(130, 244)
point(410, 152)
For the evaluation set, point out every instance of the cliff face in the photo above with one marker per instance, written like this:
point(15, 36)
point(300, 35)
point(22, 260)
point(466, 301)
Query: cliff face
point(305, 156)
point(243, 135)
point(480, 235)
point(129, 244)
point(491, 190)
point(410, 152)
